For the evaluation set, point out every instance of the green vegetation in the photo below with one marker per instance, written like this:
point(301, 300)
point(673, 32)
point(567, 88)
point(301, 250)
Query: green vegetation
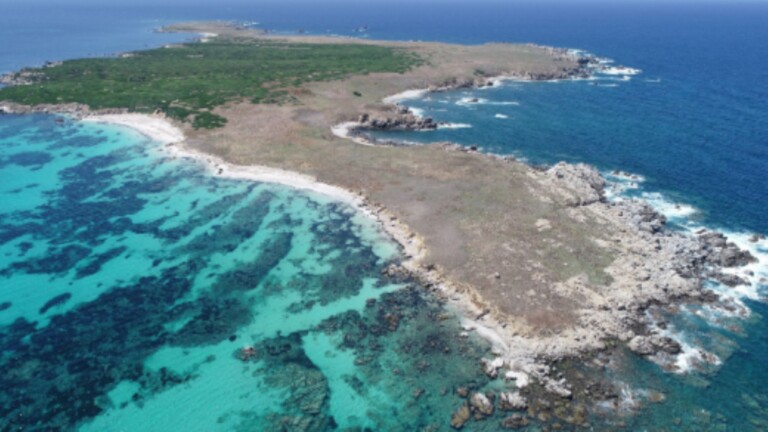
point(188, 81)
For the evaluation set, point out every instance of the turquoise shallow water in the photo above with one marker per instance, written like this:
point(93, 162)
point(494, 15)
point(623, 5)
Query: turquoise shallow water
point(131, 284)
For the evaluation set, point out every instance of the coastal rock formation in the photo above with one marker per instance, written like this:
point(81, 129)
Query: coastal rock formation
point(400, 120)
point(648, 345)
point(724, 253)
point(72, 110)
point(509, 401)
point(583, 180)
point(23, 77)
point(460, 417)
point(481, 405)
point(515, 421)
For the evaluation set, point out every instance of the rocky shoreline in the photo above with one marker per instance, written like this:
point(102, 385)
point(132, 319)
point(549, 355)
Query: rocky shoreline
point(657, 267)
point(72, 110)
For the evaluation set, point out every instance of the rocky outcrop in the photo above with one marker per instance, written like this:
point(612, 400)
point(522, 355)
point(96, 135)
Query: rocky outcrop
point(722, 252)
point(399, 121)
point(23, 77)
point(491, 367)
point(649, 345)
point(729, 280)
point(584, 181)
point(515, 421)
point(509, 401)
point(460, 417)
point(642, 216)
point(481, 405)
point(72, 110)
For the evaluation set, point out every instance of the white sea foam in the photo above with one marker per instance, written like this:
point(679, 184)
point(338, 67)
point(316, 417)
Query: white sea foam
point(521, 378)
point(619, 70)
point(498, 344)
point(418, 112)
point(731, 304)
point(691, 358)
point(619, 183)
point(470, 101)
point(501, 116)
point(454, 126)
point(755, 273)
point(670, 209)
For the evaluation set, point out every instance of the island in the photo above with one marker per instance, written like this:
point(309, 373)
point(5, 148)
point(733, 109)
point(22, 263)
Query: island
point(536, 259)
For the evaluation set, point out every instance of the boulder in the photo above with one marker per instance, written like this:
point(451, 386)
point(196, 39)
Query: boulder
point(649, 345)
point(723, 253)
point(515, 421)
point(584, 180)
point(491, 367)
point(730, 280)
point(460, 417)
point(732, 256)
point(509, 401)
point(481, 404)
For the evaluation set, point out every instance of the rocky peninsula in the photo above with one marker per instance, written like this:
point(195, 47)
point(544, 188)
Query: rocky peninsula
point(538, 261)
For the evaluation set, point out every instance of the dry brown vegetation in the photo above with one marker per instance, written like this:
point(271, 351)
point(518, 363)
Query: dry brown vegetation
point(476, 215)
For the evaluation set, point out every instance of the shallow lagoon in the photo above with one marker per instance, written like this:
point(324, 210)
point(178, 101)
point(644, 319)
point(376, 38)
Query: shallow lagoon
point(131, 283)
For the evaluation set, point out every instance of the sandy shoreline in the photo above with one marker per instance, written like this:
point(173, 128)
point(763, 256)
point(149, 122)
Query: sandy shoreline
point(160, 129)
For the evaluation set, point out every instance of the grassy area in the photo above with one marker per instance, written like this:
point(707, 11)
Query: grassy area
point(188, 81)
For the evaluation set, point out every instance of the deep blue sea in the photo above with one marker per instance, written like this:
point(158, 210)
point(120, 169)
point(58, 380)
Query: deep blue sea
point(130, 283)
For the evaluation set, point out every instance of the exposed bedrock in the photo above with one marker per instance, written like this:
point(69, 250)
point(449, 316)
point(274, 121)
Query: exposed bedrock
point(584, 180)
point(402, 119)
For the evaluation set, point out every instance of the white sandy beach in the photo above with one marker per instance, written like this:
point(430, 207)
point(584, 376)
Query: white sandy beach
point(171, 138)
point(159, 129)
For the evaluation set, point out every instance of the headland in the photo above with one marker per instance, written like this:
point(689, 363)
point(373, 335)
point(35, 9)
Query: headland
point(537, 260)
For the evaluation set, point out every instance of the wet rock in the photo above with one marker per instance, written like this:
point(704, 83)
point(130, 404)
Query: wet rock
point(708, 296)
point(558, 387)
point(649, 345)
point(460, 417)
point(732, 256)
point(730, 280)
point(491, 367)
point(509, 401)
point(515, 421)
point(723, 253)
point(481, 404)
point(462, 392)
